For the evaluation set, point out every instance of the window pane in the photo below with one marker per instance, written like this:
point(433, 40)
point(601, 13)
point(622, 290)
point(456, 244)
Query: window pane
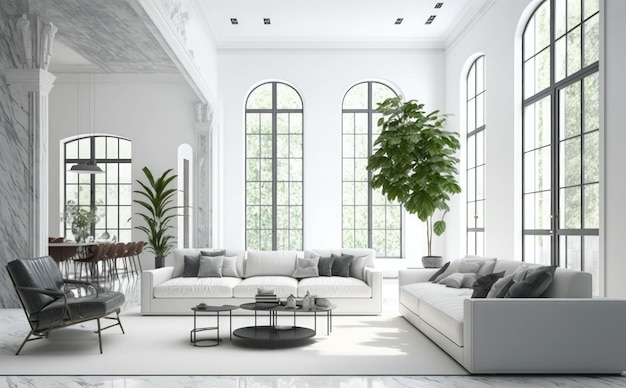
point(591, 157)
point(573, 13)
point(592, 40)
point(560, 18)
point(125, 149)
point(542, 70)
point(592, 206)
point(287, 97)
point(569, 115)
point(570, 162)
point(356, 98)
point(537, 250)
point(560, 59)
point(260, 98)
point(380, 93)
point(570, 208)
point(112, 148)
point(591, 7)
point(573, 51)
point(592, 261)
point(592, 103)
point(101, 147)
point(542, 26)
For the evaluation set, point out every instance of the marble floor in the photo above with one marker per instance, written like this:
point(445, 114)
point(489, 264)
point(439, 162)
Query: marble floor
point(129, 284)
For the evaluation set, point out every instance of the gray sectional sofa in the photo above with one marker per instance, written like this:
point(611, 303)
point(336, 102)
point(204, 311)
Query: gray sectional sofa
point(166, 291)
point(566, 330)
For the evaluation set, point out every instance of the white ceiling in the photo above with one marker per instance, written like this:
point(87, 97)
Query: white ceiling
point(319, 24)
point(338, 23)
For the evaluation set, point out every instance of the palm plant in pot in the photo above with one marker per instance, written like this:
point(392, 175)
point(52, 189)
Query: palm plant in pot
point(156, 200)
point(415, 164)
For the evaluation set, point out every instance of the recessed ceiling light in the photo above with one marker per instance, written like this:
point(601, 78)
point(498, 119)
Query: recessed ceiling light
point(266, 21)
point(431, 19)
point(234, 21)
point(438, 5)
point(399, 21)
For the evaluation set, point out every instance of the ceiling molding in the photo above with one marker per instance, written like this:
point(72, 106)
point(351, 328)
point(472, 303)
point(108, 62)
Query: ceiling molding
point(467, 19)
point(290, 45)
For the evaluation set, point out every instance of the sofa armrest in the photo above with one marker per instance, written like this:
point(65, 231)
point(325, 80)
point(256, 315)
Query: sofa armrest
point(415, 275)
point(544, 335)
point(149, 279)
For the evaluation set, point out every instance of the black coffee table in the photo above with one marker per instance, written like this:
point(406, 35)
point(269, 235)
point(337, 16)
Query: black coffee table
point(273, 333)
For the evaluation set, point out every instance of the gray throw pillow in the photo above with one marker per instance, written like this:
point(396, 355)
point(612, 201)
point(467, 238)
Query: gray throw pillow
point(325, 266)
point(439, 272)
point(500, 288)
point(229, 267)
point(357, 267)
point(221, 252)
point(307, 268)
point(341, 265)
point(454, 280)
point(210, 266)
point(534, 285)
point(469, 279)
point(483, 284)
point(191, 266)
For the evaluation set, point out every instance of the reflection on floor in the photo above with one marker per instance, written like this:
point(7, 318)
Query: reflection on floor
point(129, 284)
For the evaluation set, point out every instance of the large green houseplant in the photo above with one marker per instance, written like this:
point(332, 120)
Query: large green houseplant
point(156, 200)
point(415, 162)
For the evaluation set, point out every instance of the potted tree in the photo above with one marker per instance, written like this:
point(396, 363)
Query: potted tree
point(79, 219)
point(415, 164)
point(156, 200)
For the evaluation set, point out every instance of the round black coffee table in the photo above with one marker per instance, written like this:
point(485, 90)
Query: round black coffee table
point(277, 334)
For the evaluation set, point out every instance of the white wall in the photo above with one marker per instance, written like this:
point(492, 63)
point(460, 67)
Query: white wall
point(322, 78)
point(494, 35)
point(156, 112)
point(614, 143)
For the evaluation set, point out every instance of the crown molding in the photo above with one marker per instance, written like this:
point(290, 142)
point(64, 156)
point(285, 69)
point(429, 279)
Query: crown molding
point(466, 21)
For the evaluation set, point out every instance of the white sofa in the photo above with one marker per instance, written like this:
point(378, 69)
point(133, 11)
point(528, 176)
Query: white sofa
point(165, 292)
point(564, 331)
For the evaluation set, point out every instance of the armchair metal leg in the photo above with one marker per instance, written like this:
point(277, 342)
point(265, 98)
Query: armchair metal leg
point(99, 336)
point(28, 339)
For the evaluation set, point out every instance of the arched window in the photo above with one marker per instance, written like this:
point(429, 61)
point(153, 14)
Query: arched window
point(369, 220)
point(110, 193)
point(274, 211)
point(561, 147)
point(475, 151)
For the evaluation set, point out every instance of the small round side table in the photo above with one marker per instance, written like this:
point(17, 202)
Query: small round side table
point(211, 309)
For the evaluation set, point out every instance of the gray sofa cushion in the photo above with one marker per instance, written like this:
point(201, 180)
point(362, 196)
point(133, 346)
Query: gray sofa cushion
point(192, 263)
point(483, 284)
point(325, 266)
point(210, 266)
point(534, 285)
point(341, 265)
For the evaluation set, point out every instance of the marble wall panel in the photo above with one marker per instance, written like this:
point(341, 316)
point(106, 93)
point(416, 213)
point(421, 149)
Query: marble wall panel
point(16, 191)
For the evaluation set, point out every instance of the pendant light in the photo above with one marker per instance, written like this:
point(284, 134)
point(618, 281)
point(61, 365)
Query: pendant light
point(86, 167)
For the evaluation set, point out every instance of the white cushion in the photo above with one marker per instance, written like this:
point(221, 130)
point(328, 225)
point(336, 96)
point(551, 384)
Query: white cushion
point(209, 287)
point(271, 263)
point(334, 287)
point(283, 286)
point(444, 312)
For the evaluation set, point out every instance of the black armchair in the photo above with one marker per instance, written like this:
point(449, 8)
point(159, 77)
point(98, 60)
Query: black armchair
point(49, 304)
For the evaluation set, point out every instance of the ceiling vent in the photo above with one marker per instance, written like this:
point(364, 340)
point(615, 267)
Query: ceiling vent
point(234, 21)
point(431, 19)
point(399, 21)
point(438, 5)
point(266, 21)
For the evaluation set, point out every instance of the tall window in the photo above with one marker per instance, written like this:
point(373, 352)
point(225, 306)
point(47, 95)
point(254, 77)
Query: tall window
point(109, 193)
point(369, 220)
point(561, 148)
point(274, 180)
point(475, 104)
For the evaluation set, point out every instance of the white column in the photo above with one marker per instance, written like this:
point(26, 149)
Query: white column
point(30, 89)
point(204, 180)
